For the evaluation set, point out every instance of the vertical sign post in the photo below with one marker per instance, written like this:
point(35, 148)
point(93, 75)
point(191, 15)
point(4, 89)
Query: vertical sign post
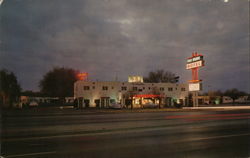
point(194, 63)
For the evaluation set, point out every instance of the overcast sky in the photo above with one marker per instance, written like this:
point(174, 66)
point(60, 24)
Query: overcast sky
point(109, 38)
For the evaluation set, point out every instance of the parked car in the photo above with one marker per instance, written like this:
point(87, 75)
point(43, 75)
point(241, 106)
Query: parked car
point(150, 105)
point(33, 104)
point(115, 106)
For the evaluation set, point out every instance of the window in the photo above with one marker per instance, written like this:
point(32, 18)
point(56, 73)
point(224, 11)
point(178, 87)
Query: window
point(105, 88)
point(161, 88)
point(93, 87)
point(140, 90)
point(143, 87)
point(170, 89)
point(112, 87)
point(134, 88)
point(183, 89)
point(93, 82)
point(124, 88)
point(86, 87)
point(112, 100)
point(149, 88)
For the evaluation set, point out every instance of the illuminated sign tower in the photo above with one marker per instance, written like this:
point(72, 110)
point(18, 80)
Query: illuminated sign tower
point(194, 63)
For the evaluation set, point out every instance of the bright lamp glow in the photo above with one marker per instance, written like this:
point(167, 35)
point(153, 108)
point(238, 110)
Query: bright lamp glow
point(82, 76)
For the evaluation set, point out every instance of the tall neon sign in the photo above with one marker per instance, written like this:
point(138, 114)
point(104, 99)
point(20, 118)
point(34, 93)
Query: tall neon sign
point(194, 63)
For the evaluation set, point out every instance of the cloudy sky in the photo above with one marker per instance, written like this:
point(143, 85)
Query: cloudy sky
point(109, 38)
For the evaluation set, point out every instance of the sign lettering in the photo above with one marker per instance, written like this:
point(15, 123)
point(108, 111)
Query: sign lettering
point(194, 64)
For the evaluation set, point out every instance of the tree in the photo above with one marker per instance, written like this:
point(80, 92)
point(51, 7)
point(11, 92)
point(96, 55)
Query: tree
point(234, 94)
point(9, 88)
point(161, 76)
point(59, 82)
point(31, 93)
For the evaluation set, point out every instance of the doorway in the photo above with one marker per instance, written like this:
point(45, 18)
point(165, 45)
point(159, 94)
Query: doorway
point(104, 102)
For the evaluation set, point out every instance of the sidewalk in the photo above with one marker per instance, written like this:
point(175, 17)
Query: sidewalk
point(229, 107)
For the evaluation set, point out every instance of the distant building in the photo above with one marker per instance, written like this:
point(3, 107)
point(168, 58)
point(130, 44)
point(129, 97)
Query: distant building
point(213, 100)
point(42, 101)
point(242, 99)
point(103, 94)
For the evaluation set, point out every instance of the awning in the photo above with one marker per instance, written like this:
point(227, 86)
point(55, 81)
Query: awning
point(147, 96)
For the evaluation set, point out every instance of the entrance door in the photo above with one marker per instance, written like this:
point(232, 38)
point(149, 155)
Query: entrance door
point(168, 101)
point(97, 103)
point(181, 102)
point(86, 102)
point(80, 102)
point(104, 102)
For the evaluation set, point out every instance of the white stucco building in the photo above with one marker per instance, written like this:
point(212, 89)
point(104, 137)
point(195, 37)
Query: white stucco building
point(103, 94)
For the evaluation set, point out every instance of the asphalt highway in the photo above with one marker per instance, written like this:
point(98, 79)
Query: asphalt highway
point(81, 134)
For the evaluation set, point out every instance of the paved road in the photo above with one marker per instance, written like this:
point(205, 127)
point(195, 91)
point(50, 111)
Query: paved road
point(73, 134)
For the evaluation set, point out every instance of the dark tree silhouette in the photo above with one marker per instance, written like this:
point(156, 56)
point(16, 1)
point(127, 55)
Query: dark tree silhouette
point(9, 88)
point(59, 82)
point(31, 93)
point(161, 76)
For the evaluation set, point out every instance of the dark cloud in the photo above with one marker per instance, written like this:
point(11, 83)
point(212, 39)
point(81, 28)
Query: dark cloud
point(109, 38)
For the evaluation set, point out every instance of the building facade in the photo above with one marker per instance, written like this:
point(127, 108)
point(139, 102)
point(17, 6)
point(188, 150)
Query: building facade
point(136, 94)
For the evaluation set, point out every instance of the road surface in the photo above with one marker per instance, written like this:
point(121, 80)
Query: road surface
point(73, 133)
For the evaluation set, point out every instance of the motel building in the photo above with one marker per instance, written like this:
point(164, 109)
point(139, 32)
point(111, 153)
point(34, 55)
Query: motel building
point(134, 92)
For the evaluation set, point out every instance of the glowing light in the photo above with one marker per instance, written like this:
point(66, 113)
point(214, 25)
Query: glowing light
point(1, 1)
point(225, 1)
point(83, 76)
point(136, 79)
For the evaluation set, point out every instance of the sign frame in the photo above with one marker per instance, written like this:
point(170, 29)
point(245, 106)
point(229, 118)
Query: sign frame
point(194, 87)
